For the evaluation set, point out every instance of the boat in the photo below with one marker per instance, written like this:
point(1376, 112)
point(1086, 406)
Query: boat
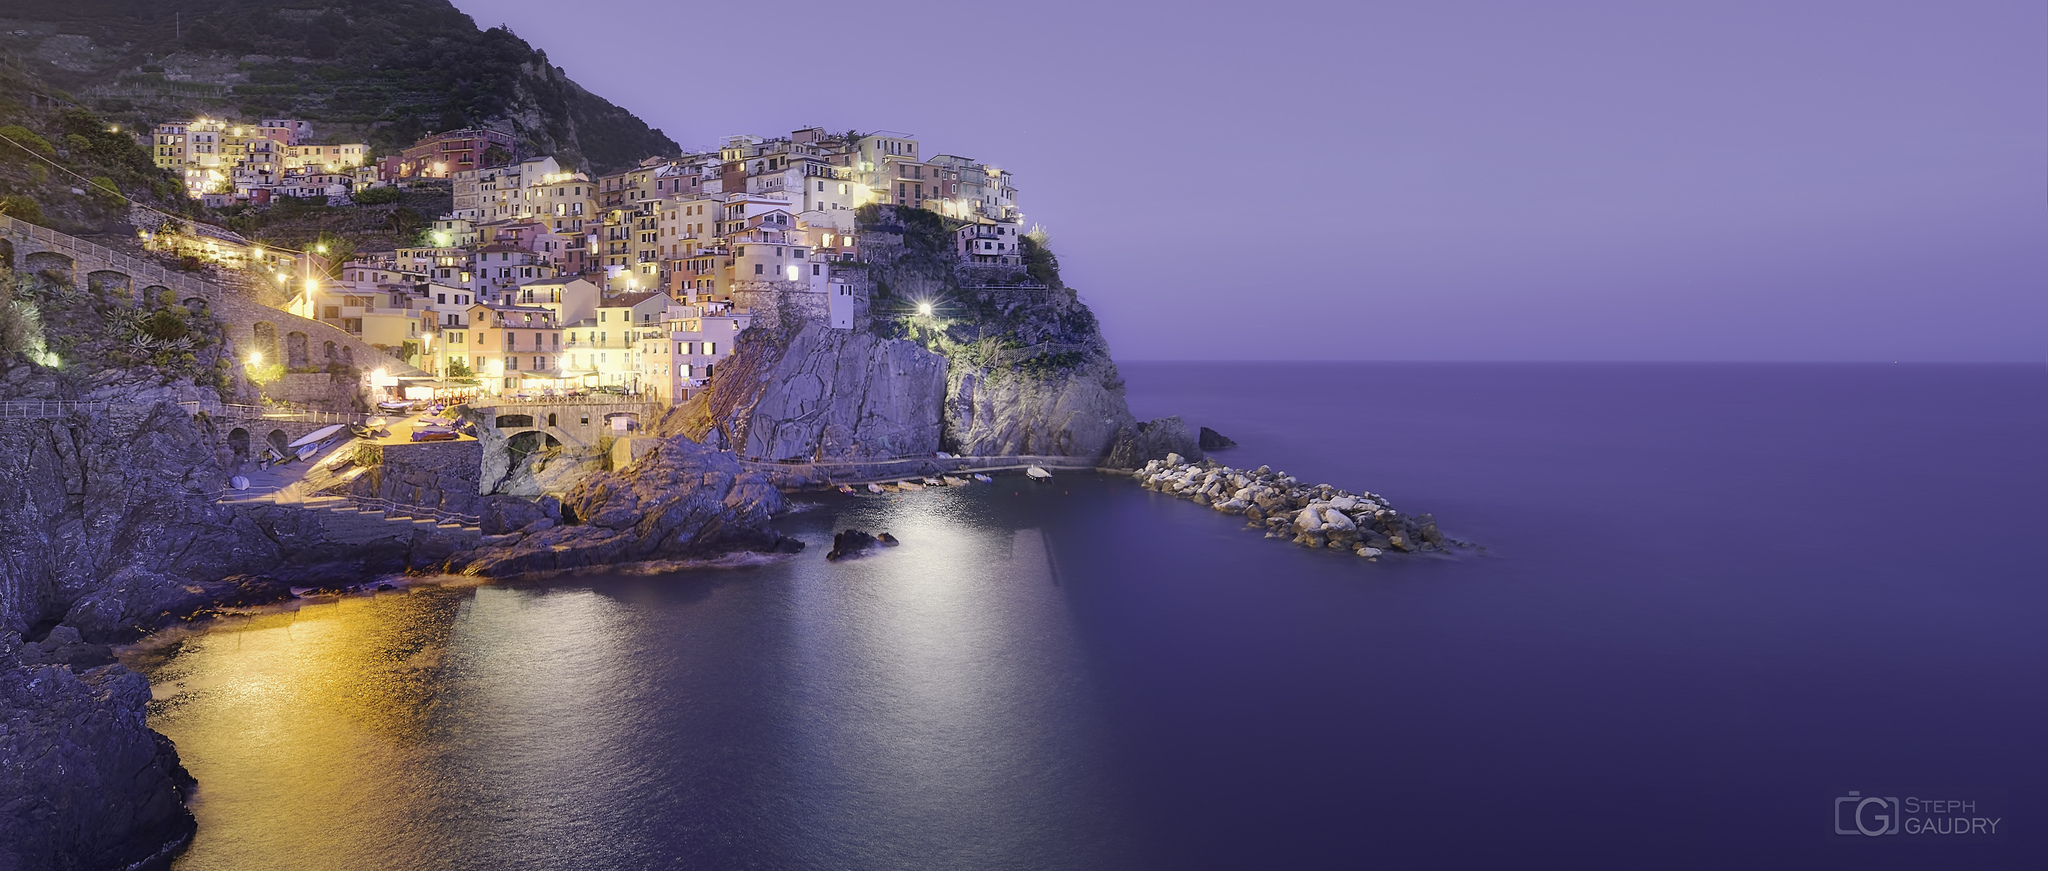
point(930, 481)
point(307, 452)
point(238, 482)
point(395, 405)
point(434, 434)
point(1037, 474)
point(982, 478)
point(874, 488)
point(954, 482)
point(846, 488)
point(315, 437)
point(909, 485)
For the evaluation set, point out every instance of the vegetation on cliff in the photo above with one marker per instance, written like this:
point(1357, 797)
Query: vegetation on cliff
point(386, 71)
point(96, 166)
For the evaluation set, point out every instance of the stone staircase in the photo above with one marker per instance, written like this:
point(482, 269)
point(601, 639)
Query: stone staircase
point(346, 522)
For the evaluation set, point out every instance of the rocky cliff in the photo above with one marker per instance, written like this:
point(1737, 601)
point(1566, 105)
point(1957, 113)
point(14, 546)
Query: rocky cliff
point(948, 358)
point(680, 500)
point(84, 783)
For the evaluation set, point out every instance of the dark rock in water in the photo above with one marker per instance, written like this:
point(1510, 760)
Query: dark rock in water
point(788, 545)
point(887, 540)
point(385, 588)
point(1211, 440)
point(1152, 440)
point(84, 783)
point(1425, 528)
point(852, 543)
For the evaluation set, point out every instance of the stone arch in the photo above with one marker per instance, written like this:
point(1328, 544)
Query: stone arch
point(265, 335)
point(6, 253)
point(327, 352)
point(528, 443)
point(514, 421)
point(277, 439)
point(551, 420)
point(238, 441)
point(51, 261)
point(144, 296)
point(194, 304)
point(348, 355)
point(295, 349)
point(108, 282)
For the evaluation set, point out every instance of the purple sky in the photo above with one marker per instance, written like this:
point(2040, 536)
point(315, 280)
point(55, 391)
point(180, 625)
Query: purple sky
point(1731, 180)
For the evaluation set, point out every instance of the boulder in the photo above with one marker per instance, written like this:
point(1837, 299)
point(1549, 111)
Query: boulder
point(84, 782)
point(1167, 437)
point(851, 543)
point(1211, 440)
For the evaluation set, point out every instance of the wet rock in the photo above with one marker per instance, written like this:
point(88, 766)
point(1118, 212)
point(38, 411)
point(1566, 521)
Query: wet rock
point(84, 783)
point(1319, 515)
point(851, 543)
point(1211, 440)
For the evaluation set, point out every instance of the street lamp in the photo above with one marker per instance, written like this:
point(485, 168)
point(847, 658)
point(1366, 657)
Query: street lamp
point(924, 308)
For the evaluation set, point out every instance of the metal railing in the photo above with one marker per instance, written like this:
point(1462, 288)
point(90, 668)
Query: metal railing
point(30, 409)
point(632, 399)
point(267, 413)
point(391, 508)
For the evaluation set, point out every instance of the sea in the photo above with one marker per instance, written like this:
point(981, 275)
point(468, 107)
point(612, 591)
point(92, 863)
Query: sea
point(1715, 616)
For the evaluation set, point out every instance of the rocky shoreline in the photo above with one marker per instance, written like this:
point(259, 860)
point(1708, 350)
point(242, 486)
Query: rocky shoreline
point(1311, 515)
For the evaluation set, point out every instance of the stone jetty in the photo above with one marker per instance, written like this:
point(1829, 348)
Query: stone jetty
point(1312, 515)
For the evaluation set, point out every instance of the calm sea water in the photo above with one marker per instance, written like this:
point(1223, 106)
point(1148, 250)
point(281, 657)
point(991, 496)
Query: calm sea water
point(1713, 600)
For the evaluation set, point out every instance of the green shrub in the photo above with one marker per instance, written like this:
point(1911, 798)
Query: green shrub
point(18, 206)
point(28, 139)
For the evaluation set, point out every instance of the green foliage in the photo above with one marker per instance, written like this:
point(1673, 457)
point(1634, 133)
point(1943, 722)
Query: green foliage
point(1045, 365)
point(21, 327)
point(26, 139)
point(376, 196)
point(1039, 261)
point(332, 251)
point(19, 206)
point(167, 324)
point(459, 371)
point(103, 188)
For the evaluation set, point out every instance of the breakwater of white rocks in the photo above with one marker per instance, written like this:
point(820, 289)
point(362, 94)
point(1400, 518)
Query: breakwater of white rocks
point(1311, 515)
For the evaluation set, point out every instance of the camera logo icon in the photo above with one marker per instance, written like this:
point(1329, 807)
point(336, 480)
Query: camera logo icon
point(1858, 814)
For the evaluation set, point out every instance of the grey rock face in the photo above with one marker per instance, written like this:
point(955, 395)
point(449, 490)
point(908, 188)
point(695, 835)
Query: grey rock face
point(679, 501)
point(1153, 440)
point(832, 394)
point(84, 783)
point(104, 520)
point(1073, 413)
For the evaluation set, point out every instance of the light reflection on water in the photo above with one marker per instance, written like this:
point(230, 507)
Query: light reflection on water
point(923, 707)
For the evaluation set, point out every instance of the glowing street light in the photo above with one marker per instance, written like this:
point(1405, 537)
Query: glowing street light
point(924, 308)
point(255, 358)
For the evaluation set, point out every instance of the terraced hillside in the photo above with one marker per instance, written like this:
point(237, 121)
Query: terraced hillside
point(380, 71)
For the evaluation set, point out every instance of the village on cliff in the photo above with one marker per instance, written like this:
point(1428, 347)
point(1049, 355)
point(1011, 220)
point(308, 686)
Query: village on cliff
point(542, 280)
